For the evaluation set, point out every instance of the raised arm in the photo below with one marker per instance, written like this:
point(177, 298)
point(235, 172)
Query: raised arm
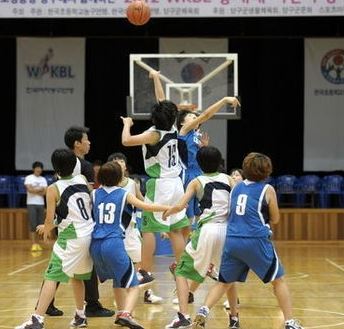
point(271, 199)
point(133, 200)
point(208, 113)
point(147, 137)
point(158, 90)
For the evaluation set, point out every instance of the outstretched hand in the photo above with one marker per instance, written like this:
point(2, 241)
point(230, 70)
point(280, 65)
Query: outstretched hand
point(45, 230)
point(127, 121)
point(171, 211)
point(233, 101)
point(204, 140)
point(153, 74)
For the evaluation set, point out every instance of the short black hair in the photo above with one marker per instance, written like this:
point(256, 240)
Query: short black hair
point(37, 164)
point(209, 159)
point(74, 134)
point(63, 161)
point(117, 156)
point(110, 174)
point(164, 115)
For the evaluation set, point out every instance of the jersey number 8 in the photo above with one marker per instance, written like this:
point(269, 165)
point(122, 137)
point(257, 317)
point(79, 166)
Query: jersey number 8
point(241, 204)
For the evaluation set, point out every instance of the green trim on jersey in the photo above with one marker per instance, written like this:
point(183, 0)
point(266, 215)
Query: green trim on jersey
point(150, 189)
point(151, 225)
point(154, 171)
point(54, 271)
point(68, 233)
point(186, 269)
point(83, 277)
point(185, 222)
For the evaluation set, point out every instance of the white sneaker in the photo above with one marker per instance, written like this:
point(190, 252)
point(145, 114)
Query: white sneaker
point(150, 298)
point(190, 299)
point(226, 305)
point(293, 324)
point(33, 323)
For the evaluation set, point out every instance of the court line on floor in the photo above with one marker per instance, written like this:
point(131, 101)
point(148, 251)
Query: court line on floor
point(25, 267)
point(335, 264)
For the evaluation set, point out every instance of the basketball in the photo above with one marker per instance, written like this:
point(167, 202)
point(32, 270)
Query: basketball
point(138, 12)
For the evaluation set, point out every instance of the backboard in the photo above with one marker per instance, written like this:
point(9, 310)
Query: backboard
point(192, 81)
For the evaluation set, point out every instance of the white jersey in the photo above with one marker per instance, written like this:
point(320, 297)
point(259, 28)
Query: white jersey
point(35, 182)
point(131, 188)
point(73, 211)
point(214, 199)
point(161, 160)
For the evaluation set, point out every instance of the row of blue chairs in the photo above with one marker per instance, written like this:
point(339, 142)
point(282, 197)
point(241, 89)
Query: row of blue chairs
point(13, 188)
point(310, 190)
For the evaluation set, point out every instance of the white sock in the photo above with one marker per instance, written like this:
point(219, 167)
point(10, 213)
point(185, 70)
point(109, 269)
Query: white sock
point(81, 313)
point(40, 318)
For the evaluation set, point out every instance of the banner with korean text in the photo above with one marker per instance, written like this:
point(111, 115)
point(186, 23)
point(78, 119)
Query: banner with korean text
point(172, 8)
point(50, 95)
point(324, 105)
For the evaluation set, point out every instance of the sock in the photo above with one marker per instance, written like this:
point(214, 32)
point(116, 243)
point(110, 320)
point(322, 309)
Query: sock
point(186, 316)
point(81, 313)
point(40, 318)
point(204, 310)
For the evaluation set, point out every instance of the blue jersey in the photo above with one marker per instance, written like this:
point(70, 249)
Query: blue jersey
point(248, 215)
point(110, 212)
point(188, 146)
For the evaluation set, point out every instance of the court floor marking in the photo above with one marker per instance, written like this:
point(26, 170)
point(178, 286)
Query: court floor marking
point(339, 267)
point(26, 267)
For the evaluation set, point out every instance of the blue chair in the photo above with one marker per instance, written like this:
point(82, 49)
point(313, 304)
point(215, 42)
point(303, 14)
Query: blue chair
point(286, 190)
point(331, 185)
point(307, 185)
point(6, 188)
point(50, 179)
point(270, 180)
point(19, 189)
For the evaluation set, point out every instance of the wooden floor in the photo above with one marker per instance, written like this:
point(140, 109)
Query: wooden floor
point(315, 273)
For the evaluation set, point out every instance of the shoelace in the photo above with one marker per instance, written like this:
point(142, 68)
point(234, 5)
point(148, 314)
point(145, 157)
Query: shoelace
point(294, 322)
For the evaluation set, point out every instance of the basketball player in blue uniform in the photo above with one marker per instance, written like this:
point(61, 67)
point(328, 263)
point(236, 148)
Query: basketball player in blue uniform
point(111, 260)
point(253, 207)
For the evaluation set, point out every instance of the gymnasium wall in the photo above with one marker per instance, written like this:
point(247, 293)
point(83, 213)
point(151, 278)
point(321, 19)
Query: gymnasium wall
point(270, 69)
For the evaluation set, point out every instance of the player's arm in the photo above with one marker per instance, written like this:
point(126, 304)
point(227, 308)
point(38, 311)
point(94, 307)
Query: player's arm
point(158, 90)
point(138, 193)
point(33, 190)
point(51, 198)
point(190, 192)
point(271, 199)
point(208, 113)
point(231, 181)
point(154, 207)
point(147, 137)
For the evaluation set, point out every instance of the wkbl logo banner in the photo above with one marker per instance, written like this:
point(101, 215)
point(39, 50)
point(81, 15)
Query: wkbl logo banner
point(50, 95)
point(324, 104)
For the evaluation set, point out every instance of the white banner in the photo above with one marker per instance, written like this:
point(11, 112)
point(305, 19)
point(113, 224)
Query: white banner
point(324, 105)
point(217, 129)
point(50, 95)
point(172, 8)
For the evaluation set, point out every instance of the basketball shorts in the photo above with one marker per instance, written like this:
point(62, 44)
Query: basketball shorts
point(166, 191)
point(70, 259)
point(112, 262)
point(132, 242)
point(242, 254)
point(205, 248)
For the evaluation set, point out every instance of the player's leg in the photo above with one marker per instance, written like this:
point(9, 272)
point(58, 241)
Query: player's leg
point(120, 295)
point(47, 294)
point(79, 297)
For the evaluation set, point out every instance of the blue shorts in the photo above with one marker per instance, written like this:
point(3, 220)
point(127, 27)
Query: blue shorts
point(242, 254)
point(111, 261)
point(193, 205)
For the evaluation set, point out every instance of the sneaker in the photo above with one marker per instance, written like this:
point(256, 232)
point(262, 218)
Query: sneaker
point(293, 324)
point(125, 319)
point(38, 247)
point(180, 321)
point(145, 278)
point(150, 298)
point(96, 310)
point(34, 247)
point(78, 322)
point(53, 311)
point(212, 273)
point(233, 322)
point(226, 304)
point(199, 322)
point(191, 299)
point(33, 323)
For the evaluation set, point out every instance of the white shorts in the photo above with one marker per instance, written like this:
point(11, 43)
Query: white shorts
point(70, 259)
point(132, 243)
